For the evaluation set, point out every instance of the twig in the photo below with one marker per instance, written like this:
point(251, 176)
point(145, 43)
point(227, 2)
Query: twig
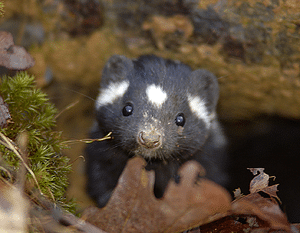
point(89, 140)
point(54, 215)
point(8, 144)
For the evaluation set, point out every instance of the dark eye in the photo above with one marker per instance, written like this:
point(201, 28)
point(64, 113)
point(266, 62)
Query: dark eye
point(128, 109)
point(180, 119)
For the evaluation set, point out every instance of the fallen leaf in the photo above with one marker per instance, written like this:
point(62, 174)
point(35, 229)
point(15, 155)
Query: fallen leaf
point(260, 181)
point(237, 193)
point(265, 208)
point(255, 212)
point(134, 208)
point(12, 56)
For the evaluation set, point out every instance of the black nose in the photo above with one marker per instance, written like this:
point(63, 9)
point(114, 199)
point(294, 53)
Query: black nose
point(150, 139)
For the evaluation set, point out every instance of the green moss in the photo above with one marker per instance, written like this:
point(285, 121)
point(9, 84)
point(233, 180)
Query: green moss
point(32, 112)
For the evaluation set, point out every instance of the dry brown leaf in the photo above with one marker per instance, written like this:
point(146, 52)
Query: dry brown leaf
point(264, 208)
point(271, 191)
point(253, 212)
point(237, 193)
point(12, 56)
point(133, 207)
point(260, 181)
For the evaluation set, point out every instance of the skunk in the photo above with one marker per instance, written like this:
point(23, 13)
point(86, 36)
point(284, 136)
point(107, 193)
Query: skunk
point(161, 110)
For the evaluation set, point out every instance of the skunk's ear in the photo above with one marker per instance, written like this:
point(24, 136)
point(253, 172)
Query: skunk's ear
point(116, 69)
point(205, 86)
point(115, 80)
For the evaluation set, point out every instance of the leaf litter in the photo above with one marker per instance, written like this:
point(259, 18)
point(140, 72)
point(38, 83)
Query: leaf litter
point(194, 205)
point(258, 211)
point(134, 208)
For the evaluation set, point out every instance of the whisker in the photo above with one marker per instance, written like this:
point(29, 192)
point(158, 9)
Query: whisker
point(79, 93)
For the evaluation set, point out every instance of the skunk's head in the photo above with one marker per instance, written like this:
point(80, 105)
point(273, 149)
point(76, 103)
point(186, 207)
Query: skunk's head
point(156, 108)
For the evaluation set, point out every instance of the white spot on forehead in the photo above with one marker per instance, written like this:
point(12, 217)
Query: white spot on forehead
point(198, 107)
point(111, 93)
point(156, 95)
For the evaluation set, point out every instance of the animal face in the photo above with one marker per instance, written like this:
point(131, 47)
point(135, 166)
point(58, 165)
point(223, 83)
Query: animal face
point(156, 108)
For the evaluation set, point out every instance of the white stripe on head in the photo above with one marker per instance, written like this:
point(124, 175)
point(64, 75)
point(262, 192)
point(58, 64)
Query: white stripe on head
point(198, 107)
point(156, 95)
point(111, 93)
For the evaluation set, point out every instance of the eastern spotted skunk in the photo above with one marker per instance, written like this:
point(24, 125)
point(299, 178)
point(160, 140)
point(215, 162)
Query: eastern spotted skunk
point(159, 109)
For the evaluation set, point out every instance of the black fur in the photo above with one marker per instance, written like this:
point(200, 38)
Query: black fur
point(173, 144)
